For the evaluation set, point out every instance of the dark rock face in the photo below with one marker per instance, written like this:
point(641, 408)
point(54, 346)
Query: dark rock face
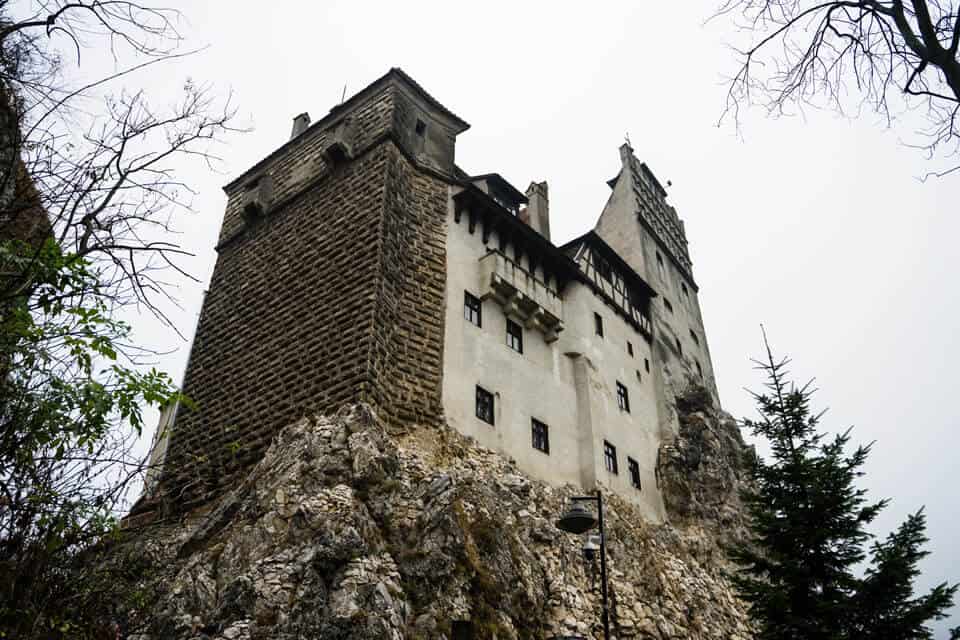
point(346, 531)
point(701, 472)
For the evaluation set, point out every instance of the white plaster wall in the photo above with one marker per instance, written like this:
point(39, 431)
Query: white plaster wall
point(540, 383)
point(635, 433)
point(536, 384)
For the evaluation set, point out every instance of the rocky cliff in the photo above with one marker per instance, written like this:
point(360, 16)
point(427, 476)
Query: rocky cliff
point(344, 531)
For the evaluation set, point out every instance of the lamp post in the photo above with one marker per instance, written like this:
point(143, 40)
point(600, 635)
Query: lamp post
point(578, 519)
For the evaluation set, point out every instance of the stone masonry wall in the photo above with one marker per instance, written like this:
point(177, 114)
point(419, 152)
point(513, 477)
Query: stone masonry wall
point(407, 356)
point(336, 297)
point(300, 161)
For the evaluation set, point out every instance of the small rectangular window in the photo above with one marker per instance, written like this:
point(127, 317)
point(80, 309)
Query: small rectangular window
point(610, 457)
point(646, 365)
point(629, 348)
point(679, 346)
point(660, 269)
point(514, 336)
point(598, 324)
point(639, 377)
point(694, 337)
point(541, 436)
point(484, 405)
point(683, 290)
point(472, 308)
point(623, 399)
point(699, 368)
point(667, 304)
point(634, 468)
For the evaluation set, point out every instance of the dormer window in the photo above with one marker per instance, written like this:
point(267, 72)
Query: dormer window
point(500, 191)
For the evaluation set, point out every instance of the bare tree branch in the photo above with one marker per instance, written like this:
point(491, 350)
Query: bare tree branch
point(886, 55)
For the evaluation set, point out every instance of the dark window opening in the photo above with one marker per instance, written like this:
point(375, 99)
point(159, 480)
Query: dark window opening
point(660, 266)
point(646, 365)
point(696, 340)
point(598, 324)
point(667, 304)
point(604, 269)
point(683, 290)
point(541, 436)
point(610, 457)
point(679, 346)
point(639, 377)
point(634, 468)
point(484, 405)
point(623, 398)
point(699, 368)
point(629, 348)
point(461, 630)
point(514, 336)
point(421, 127)
point(472, 308)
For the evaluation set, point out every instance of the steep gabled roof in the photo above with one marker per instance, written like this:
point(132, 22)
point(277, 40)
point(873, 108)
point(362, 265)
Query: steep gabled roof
point(596, 242)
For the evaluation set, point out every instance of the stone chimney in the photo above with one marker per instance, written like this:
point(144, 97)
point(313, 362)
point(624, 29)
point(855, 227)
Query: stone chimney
point(538, 208)
point(300, 124)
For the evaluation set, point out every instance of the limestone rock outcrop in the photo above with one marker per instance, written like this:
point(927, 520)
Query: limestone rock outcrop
point(345, 531)
point(700, 472)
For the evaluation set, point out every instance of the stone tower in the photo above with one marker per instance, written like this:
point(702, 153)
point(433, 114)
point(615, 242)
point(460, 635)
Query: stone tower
point(646, 231)
point(328, 286)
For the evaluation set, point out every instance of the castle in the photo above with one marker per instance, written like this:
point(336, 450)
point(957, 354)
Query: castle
point(358, 262)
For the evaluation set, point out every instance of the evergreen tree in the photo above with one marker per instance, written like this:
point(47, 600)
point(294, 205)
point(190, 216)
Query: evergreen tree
point(885, 607)
point(808, 519)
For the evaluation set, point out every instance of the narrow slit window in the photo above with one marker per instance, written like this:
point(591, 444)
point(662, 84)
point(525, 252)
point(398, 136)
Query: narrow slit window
point(472, 309)
point(660, 268)
point(623, 398)
point(598, 324)
point(667, 304)
point(693, 336)
point(634, 468)
point(646, 365)
point(540, 434)
point(514, 336)
point(610, 457)
point(679, 346)
point(699, 368)
point(485, 405)
point(629, 348)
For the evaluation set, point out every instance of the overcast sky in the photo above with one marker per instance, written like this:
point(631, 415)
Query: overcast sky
point(818, 228)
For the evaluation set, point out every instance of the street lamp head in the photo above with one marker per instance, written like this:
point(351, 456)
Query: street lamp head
point(577, 519)
point(590, 546)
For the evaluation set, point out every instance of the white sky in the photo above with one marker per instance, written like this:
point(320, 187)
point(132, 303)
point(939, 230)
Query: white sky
point(818, 228)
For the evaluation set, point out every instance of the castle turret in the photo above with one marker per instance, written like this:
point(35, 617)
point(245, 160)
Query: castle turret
point(646, 231)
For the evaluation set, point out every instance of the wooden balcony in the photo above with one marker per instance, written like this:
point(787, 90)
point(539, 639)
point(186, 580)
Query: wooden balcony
point(522, 295)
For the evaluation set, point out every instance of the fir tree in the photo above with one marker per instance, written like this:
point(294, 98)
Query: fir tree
point(808, 520)
point(885, 607)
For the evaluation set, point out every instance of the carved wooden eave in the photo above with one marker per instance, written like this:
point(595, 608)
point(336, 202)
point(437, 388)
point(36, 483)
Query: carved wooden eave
point(524, 272)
